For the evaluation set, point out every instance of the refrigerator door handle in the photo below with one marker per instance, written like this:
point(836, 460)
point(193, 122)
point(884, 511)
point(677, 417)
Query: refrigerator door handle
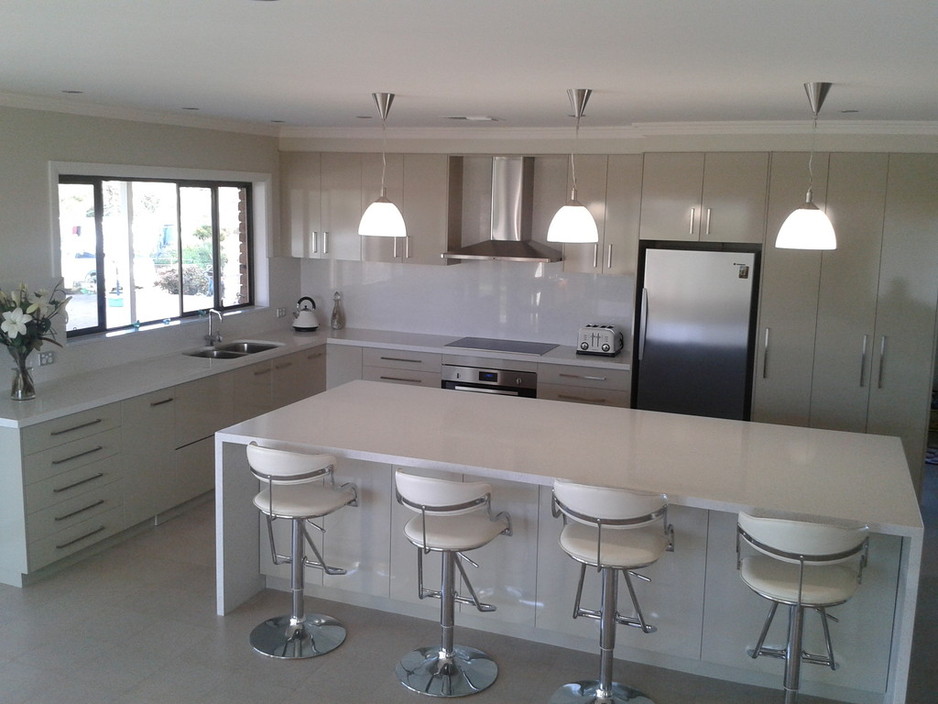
point(643, 325)
point(882, 361)
point(693, 213)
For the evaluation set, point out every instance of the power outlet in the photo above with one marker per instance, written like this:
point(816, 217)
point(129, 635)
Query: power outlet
point(46, 358)
point(281, 312)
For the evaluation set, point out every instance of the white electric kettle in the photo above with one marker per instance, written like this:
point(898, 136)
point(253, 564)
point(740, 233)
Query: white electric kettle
point(304, 318)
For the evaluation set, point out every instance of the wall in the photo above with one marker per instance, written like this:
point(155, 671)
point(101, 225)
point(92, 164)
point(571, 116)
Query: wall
point(32, 139)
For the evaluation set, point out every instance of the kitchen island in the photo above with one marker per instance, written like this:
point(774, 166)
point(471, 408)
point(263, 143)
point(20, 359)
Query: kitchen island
point(710, 469)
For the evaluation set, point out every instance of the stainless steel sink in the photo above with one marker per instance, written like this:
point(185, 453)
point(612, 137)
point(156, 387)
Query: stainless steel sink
point(247, 346)
point(216, 354)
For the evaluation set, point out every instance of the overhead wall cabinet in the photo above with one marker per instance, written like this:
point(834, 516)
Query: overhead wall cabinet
point(712, 197)
point(610, 187)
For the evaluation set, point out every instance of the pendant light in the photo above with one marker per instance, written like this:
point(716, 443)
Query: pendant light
point(809, 227)
point(573, 222)
point(382, 218)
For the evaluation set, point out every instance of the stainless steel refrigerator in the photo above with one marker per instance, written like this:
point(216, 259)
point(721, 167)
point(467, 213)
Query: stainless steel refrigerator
point(694, 332)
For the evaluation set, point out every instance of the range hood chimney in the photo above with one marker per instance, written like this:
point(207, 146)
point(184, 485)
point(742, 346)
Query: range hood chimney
point(510, 235)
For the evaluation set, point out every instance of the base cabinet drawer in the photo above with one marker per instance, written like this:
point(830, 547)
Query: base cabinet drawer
point(583, 394)
point(402, 376)
point(65, 515)
point(194, 471)
point(402, 359)
point(47, 550)
point(83, 452)
point(64, 487)
point(72, 427)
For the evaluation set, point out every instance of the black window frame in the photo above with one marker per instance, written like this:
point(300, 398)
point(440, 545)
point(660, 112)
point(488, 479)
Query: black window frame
point(214, 184)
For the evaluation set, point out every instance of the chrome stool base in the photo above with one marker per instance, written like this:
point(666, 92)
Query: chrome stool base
point(588, 692)
point(468, 671)
point(282, 638)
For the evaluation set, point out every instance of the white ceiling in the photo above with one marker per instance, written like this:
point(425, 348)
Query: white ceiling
point(314, 63)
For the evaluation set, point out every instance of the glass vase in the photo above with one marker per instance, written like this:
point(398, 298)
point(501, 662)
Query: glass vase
point(23, 387)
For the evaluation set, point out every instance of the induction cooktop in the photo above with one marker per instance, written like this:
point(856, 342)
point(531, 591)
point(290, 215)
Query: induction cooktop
point(513, 346)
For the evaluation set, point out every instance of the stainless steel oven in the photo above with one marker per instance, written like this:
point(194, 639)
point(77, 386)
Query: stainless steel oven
point(505, 382)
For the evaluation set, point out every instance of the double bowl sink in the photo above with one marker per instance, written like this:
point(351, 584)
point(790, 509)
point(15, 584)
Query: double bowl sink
point(234, 350)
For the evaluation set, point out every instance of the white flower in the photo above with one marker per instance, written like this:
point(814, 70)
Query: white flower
point(40, 301)
point(14, 323)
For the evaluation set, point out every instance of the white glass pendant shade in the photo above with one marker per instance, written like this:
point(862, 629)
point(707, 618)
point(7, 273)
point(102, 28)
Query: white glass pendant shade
point(807, 228)
point(573, 223)
point(382, 219)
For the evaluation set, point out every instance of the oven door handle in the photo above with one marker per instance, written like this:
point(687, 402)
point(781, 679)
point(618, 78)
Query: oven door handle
point(478, 390)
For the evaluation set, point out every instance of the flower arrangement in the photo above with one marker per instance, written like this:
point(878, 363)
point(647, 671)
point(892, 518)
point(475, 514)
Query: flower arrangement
point(25, 323)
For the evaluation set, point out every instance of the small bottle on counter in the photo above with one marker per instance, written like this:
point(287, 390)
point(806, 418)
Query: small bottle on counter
point(338, 315)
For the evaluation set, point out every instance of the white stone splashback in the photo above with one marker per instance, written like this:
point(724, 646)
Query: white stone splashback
point(508, 300)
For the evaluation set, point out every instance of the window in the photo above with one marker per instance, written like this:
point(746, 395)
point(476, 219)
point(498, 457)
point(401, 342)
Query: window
point(146, 250)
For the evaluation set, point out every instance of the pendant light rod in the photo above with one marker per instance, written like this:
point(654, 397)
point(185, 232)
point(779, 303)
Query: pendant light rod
point(383, 103)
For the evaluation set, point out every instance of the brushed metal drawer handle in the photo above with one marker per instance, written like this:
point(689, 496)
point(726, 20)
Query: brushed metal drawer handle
point(261, 372)
point(80, 454)
point(80, 538)
point(81, 510)
point(581, 399)
point(78, 483)
point(582, 376)
point(314, 355)
point(283, 366)
point(160, 403)
point(76, 427)
point(401, 359)
point(400, 378)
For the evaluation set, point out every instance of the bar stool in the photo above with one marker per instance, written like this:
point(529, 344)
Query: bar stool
point(453, 517)
point(612, 530)
point(803, 565)
point(299, 487)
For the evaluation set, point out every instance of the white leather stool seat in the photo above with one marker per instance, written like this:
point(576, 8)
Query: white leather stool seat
point(302, 500)
point(778, 581)
point(454, 532)
point(621, 549)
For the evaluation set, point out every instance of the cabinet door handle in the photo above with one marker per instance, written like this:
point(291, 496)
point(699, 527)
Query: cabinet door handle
point(261, 372)
point(325, 242)
point(60, 489)
point(394, 244)
point(693, 213)
point(314, 355)
point(608, 256)
point(765, 355)
point(708, 221)
point(81, 510)
point(863, 346)
point(595, 255)
point(407, 247)
point(882, 361)
point(80, 454)
point(400, 359)
point(154, 404)
point(77, 427)
point(283, 366)
point(401, 378)
point(80, 538)
point(314, 239)
point(582, 399)
point(581, 376)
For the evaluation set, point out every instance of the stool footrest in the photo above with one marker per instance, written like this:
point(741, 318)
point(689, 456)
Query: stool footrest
point(469, 601)
point(781, 654)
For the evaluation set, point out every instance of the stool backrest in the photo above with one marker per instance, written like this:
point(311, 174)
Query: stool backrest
point(611, 507)
point(440, 496)
point(284, 466)
point(802, 542)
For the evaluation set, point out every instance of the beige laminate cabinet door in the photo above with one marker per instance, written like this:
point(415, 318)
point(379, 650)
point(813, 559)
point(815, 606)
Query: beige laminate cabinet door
point(297, 376)
point(147, 452)
point(341, 205)
point(671, 192)
point(788, 299)
point(300, 186)
point(591, 192)
point(619, 253)
point(904, 340)
point(382, 249)
point(427, 180)
point(843, 351)
point(734, 194)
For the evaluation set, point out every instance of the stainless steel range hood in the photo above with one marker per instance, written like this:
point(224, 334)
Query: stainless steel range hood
point(512, 198)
